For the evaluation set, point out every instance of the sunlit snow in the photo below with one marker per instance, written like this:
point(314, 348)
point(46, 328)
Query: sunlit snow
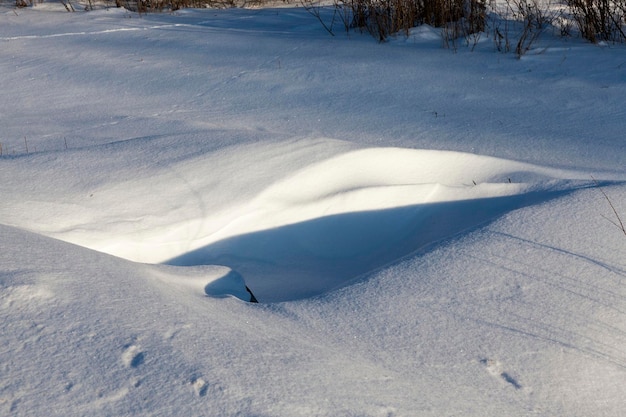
point(426, 232)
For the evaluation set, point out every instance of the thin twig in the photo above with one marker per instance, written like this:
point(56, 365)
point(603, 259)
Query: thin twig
point(315, 9)
point(619, 219)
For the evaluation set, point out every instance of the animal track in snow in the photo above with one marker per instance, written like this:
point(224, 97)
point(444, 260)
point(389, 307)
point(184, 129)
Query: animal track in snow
point(495, 368)
point(132, 356)
point(200, 386)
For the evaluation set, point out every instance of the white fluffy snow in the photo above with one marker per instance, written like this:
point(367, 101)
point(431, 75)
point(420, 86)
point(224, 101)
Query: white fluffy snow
point(422, 228)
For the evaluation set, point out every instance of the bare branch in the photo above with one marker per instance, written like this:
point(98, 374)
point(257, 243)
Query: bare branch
point(617, 216)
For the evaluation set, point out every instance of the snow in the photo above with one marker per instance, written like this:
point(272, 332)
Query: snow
point(423, 229)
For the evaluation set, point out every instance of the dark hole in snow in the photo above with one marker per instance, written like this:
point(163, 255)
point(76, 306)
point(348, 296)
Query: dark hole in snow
point(252, 297)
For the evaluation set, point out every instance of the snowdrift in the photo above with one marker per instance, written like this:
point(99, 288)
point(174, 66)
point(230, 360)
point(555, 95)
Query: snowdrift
point(290, 234)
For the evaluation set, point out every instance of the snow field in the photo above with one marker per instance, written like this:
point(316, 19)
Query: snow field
point(421, 227)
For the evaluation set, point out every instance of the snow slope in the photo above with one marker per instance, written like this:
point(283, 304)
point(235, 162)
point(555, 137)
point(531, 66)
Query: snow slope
point(421, 228)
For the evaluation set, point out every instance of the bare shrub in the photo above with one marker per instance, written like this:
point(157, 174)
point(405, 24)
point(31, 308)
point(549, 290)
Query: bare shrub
point(533, 20)
point(68, 6)
point(517, 24)
point(382, 18)
point(599, 20)
point(501, 35)
point(514, 24)
point(147, 6)
point(314, 7)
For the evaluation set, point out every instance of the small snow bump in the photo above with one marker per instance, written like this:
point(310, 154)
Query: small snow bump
point(25, 294)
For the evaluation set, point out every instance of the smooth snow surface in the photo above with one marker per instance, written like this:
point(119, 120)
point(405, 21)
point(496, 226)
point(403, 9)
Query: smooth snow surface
point(428, 233)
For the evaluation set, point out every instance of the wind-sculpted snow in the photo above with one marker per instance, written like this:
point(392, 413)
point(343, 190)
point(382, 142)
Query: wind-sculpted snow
point(330, 222)
point(294, 223)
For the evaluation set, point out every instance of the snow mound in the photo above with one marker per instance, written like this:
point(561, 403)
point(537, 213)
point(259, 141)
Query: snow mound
point(321, 227)
point(302, 217)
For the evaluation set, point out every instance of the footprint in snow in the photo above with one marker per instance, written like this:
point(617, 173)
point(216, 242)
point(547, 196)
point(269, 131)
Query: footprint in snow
point(200, 387)
point(132, 356)
point(496, 369)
